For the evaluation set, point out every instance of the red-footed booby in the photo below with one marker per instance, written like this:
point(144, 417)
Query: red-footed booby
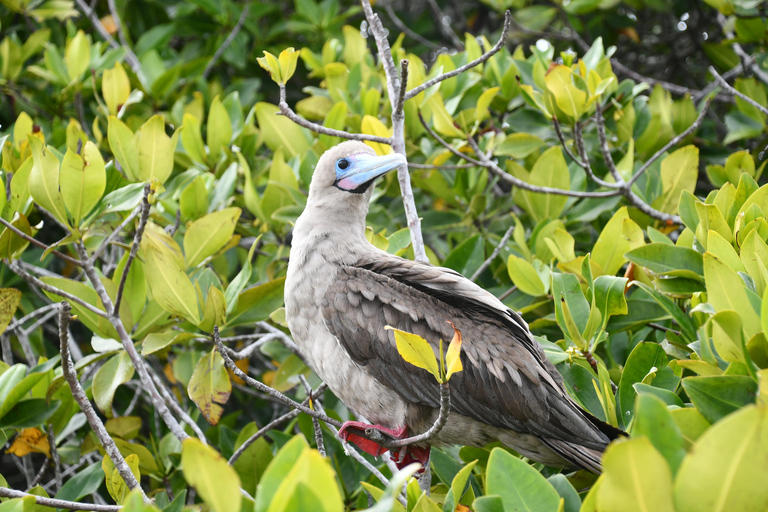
point(340, 294)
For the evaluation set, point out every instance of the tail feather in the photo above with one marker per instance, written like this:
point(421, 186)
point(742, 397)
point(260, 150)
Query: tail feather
point(580, 456)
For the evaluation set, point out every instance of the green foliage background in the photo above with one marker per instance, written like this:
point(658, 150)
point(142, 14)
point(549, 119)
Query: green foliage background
point(658, 327)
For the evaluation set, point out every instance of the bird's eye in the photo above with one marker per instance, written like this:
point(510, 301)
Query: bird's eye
point(343, 164)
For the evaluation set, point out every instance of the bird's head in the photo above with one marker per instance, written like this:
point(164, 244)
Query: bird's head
point(346, 172)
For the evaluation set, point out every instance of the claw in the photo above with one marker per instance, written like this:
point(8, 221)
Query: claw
point(352, 432)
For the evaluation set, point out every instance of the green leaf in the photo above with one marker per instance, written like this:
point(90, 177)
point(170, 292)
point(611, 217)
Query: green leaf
point(726, 291)
point(276, 472)
point(569, 98)
point(684, 321)
point(679, 172)
point(725, 469)
point(31, 412)
point(609, 296)
point(718, 396)
point(77, 55)
point(84, 483)
point(115, 88)
point(520, 486)
point(191, 138)
point(417, 351)
point(641, 361)
point(123, 144)
point(636, 478)
point(219, 129)
point(281, 131)
point(519, 145)
point(216, 482)
point(566, 286)
point(253, 462)
point(116, 371)
point(668, 260)
point(444, 123)
point(550, 170)
point(155, 151)
point(525, 277)
point(82, 181)
point(210, 386)
point(209, 234)
point(571, 500)
point(619, 236)
point(309, 485)
point(728, 335)
point(169, 285)
point(654, 421)
point(44, 180)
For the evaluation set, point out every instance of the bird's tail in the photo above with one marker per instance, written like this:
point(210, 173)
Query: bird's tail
point(578, 455)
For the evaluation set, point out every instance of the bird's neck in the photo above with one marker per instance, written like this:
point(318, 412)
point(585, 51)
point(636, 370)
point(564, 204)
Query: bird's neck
point(337, 235)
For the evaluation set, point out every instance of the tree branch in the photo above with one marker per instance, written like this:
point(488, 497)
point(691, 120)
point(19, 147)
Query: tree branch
point(136, 243)
point(600, 123)
point(5, 492)
point(405, 28)
point(40, 244)
point(105, 243)
point(721, 81)
point(578, 136)
point(70, 374)
point(228, 41)
point(130, 57)
point(324, 130)
point(173, 404)
point(469, 65)
point(676, 140)
point(442, 419)
point(496, 251)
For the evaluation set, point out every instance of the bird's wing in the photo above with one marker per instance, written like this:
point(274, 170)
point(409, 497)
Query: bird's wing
point(507, 381)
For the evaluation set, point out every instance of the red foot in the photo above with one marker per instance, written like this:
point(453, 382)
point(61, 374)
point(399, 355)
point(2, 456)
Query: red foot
point(351, 432)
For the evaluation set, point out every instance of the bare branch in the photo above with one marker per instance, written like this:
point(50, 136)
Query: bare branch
point(125, 339)
point(447, 167)
point(173, 404)
point(105, 243)
point(600, 123)
point(743, 55)
point(676, 140)
point(721, 81)
point(567, 150)
point(496, 251)
point(136, 243)
point(29, 278)
point(385, 52)
point(40, 244)
point(447, 146)
point(70, 374)
point(19, 324)
point(469, 65)
point(578, 136)
point(5, 492)
point(315, 422)
point(55, 457)
point(260, 433)
point(444, 29)
point(228, 41)
point(400, 101)
point(405, 28)
point(130, 57)
point(318, 128)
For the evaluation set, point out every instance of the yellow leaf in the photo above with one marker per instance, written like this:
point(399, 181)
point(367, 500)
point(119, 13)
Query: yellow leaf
point(30, 440)
point(156, 151)
point(115, 87)
point(287, 60)
point(372, 126)
point(216, 482)
point(569, 98)
point(442, 119)
point(452, 355)
point(483, 102)
point(272, 65)
point(9, 301)
point(77, 56)
point(210, 386)
point(416, 350)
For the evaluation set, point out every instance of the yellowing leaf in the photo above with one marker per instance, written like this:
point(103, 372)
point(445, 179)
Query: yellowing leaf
point(155, 151)
point(9, 301)
point(287, 60)
point(170, 286)
point(115, 87)
point(216, 481)
point(272, 65)
point(442, 119)
point(123, 145)
point(525, 277)
point(77, 56)
point(114, 482)
point(191, 138)
point(30, 440)
point(726, 291)
point(619, 236)
point(372, 126)
point(679, 172)
point(82, 181)
point(219, 129)
point(416, 350)
point(208, 234)
point(550, 170)
point(44, 181)
point(569, 98)
point(453, 355)
point(210, 386)
point(281, 131)
point(483, 102)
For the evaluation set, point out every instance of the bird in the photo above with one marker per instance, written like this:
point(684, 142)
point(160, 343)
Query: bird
point(342, 296)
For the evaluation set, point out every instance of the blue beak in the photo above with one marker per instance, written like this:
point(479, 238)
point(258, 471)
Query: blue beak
point(356, 173)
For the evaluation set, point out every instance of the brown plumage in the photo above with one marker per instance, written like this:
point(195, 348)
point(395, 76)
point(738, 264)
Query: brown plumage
point(341, 292)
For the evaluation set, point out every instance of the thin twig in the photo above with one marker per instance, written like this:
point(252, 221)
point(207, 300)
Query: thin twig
point(260, 433)
point(379, 33)
point(736, 92)
point(285, 110)
point(136, 243)
point(400, 100)
point(600, 122)
point(118, 23)
point(40, 244)
point(676, 140)
point(447, 167)
point(567, 150)
point(405, 28)
point(55, 457)
point(32, 280)
point(228, 41)
point(496, 251)
point(40, 311)
point(5, 492)
point(737, 48)
point(444, 29)
point(437, 426)
point(578, 137)
point(70, 374)
point(173, 404)
point(315, 422)
point(130, 57)
point(469, 65)
point(115, 233)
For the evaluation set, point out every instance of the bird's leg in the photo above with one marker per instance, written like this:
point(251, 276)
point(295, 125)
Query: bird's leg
point(351, 432)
